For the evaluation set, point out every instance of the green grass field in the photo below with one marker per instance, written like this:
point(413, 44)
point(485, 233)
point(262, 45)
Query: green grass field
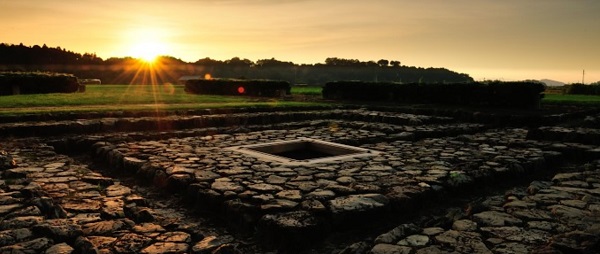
point(170, 97)
point(589, 100)
point(307, 90)
point(131, 97)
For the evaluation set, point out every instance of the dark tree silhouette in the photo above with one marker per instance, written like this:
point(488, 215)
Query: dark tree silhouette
point(383, 62)
point(118, 69)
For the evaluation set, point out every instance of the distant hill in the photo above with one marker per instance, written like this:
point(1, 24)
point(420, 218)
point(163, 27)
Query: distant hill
point(550, 82)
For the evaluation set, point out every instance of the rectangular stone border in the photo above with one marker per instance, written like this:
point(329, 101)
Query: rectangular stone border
point(339, 151)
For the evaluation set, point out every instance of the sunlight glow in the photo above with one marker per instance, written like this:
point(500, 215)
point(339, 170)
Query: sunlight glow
point(146, 43)
point(148, 51)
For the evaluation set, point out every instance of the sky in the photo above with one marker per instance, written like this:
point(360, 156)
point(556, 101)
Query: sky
point(487, 39)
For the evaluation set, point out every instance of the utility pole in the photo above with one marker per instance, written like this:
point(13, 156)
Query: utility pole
point(583, 77)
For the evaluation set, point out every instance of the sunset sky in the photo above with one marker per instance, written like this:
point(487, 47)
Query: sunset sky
point(487, 39)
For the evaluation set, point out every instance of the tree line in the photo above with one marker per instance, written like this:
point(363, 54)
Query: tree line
point(119, 69)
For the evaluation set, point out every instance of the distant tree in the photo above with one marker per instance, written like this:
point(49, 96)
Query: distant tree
point(273, 63)
point(334, 61)
point(371, 64)
point(44, 58)
point(208, 62)
point(170, 60)
point(237, 62)
point(383, 63)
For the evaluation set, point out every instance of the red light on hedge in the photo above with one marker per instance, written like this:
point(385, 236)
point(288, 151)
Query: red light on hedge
point(241, 90)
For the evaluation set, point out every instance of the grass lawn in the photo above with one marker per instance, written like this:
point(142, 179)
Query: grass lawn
point(307, 90)
point(589, 100)
point(131, 97)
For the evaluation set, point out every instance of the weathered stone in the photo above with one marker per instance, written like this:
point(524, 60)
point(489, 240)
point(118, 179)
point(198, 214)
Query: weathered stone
point(146, 228)
point(166, 247)
point(84, 218)
point(289, 194)
point(227, 186)
point(60, 230)
point(397, 233)
point(132, 163)
point(384, 248)
point(431, 250)
point(37, 245)
point(464, 225)
point(177, 169)
point(205, 175)
point(321, 195)
point(462, 241)
point(279, 204)
point(313, 206)
point(358, 203)
point(576, 242)
point(104, 227)
point(495, 218)
point(210, 243)
point(112, 209)
point(61, 248)
point(532, 214)
point(83, 206)
point(579, 204)
point(511, 248)
point(175, 237)
point(5, 209)
point(561, 177)
point(305, 186)
point(274, 229)
point(102, 242)
point(263, 198)
point(13, 236)
point(117, 190)
point(519, 204)
point(6, 161)
point(275, 179)
point(98, 181)
point(265, 187)
point(341, 189)
point(566, 211)
point(345, 180)
point(432, 231)
point(131, 243)
point(20, 222)
point(414, 241)
point(54, 165)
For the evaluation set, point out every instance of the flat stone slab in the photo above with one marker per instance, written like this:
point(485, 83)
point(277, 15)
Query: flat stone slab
point(358, 203)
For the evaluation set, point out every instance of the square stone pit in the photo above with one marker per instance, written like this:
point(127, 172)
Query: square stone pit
point(303, 151)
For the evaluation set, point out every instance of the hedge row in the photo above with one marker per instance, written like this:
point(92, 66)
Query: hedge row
point(266, 88)
point(37, 82)
point(583, 89)
point(510, 94)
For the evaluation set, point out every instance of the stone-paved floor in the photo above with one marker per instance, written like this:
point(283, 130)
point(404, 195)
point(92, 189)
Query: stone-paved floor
point(54, 204)
point(561, 215)
point(59, 204)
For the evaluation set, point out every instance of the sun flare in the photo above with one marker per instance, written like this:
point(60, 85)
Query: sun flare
point(148, 51)
point(146, 43)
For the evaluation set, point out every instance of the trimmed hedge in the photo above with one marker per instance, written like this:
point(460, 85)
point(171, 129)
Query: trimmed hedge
point(266, 88)
point(506, 94)
point(37, 83)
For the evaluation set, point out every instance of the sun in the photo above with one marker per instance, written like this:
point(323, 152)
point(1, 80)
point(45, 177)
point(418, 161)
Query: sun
point(146, 42)
point(148, 51)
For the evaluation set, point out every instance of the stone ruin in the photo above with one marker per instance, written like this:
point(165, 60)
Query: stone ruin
point(305, 181)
